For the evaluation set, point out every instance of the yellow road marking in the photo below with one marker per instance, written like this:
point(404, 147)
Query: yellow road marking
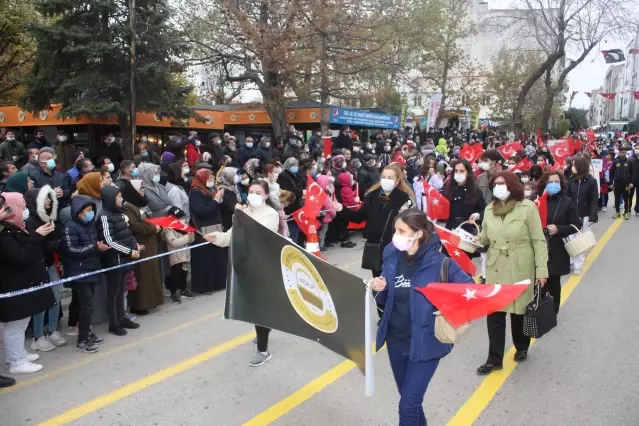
point(128, 390)
point(486, 391)
point(101, 355)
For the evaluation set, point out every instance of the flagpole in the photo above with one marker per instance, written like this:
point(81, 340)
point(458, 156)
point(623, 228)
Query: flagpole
point(368, 342)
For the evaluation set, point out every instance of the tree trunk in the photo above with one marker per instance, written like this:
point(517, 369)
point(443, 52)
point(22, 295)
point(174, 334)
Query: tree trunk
point(125, 133)
point(548, 102)
point(442, 105)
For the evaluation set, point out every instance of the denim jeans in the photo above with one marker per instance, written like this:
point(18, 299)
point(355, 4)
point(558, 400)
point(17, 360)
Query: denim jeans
point(14, 341)
point(54, 311)
point(412, 379)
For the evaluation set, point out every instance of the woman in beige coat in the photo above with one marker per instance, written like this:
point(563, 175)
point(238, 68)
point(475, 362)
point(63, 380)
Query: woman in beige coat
point(517, 251)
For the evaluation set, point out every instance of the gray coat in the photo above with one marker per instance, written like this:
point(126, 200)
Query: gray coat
point(483, 183)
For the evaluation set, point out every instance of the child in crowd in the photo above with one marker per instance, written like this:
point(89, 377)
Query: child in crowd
point(329, 209)
point(179, 261)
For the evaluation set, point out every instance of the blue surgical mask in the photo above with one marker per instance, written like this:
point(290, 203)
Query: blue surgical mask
point(88, 217)
point(50, 164)
point(295, 169)
point(145, 154)
point(156, 179)
point(134, 173)
point(553, 188)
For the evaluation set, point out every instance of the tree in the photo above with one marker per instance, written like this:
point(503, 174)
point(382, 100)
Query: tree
point(16, 47)
point(82, 61)
point(578, 118)
point(559, 26)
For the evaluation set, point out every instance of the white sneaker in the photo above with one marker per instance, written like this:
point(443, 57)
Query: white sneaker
point(73, 331)
point(56, 339)
point(577, 272)
point(26, 368)
point(42, 345)
point(604, 209)
point(30, 357)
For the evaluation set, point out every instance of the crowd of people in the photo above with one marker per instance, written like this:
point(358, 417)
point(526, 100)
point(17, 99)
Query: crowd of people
point(56, 224)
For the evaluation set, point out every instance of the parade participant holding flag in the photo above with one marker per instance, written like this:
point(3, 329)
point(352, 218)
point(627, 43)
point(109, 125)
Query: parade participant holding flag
point(428, 174)
point(261, 208)
point(412, 261)
point(466, 200)
point(517, 251)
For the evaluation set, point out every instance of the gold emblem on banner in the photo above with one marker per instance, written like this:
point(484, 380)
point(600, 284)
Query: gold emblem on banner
point(306, 290)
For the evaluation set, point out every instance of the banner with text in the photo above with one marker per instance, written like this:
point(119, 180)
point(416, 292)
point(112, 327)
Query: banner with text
point(358, 117)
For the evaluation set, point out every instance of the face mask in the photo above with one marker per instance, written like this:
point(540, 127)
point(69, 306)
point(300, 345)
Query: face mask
point(62, 138)
point(525, 179)
point(553, 188)
point(134, 173)
point(156, 179)
point(236, 179)
point(25, 214)
point(306, 149)
point(255, 200)
point(267, 145)
point(356, 149)
point(88, 217)
point(484, 166)
point(501, 192)
point(244, 181)
point(387, 184)
point(218, 142)
point(387, 148)
point(50, 164)
point(144, 154)
point(293, 143)
point(511, 166)
point(574, 171)
point(249, 144)
point(210, 185)
point(198, 143)
point(185, 171)
point(527, 193)
point(110, 167)
point(460, 178)
point(369, 146)
point(111, 139)
point(294, 169)
point(11, 138)
point(34, 158)
point(403, 243)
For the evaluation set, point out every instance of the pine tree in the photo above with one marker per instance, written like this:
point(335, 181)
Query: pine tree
point(82, 60)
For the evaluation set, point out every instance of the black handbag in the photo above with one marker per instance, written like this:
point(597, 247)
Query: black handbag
point(540, 316)
point(372, 256)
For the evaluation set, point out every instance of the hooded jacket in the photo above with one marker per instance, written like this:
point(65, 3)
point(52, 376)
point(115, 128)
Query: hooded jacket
point(346, 189)
point(39, 215)
point(114, 231)
point(79, 243)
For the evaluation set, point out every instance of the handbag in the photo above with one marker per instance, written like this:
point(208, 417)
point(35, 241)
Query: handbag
point(444, 331)
point(130, 282)
point(540, 316)
point(580, 243)
point(206, 229)
point(372, 255)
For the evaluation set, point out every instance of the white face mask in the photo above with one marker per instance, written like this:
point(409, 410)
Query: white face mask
point(484, 166)
point(210, 184)
point(110, 167)
point(249, 144)
point(356, 149)
point(525, 179)
point(255, 200)
point(403, 243)
point(387, 148)
point(527, 193)
point(244, 182)
point(267, 144)
point(62, 138)
point(501, 192)
point(25, 214)
point(387, 184)
point(460, 178)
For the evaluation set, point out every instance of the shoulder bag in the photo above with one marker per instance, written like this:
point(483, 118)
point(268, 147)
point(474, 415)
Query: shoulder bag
point(205, 229)
point(444, 331)
point(372, 255)
point(540, 316)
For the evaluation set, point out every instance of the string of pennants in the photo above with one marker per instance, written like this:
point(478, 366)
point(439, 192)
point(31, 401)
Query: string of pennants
point(608, 95)
point(616, 55)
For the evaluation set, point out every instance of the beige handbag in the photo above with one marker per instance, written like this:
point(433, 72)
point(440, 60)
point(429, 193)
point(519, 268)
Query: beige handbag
point(580, 243)
point(446, 333)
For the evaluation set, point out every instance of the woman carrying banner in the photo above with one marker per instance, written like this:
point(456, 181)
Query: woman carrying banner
point(263, 210)
point(517, 251)
point(408, 326)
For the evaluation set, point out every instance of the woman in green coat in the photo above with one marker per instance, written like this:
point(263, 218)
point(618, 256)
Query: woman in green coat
point(517, 251)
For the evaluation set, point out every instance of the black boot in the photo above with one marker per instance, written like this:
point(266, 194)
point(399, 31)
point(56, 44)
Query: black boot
point(488, 368)
point(5, 382)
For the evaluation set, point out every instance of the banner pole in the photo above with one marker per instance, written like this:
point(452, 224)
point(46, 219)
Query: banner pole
point(368, 339)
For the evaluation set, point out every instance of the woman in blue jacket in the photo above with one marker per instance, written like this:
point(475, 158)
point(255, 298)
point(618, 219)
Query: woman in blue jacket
point(408, 324)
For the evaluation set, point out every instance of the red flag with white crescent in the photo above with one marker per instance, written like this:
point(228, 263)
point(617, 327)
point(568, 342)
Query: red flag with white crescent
point(471, 153)
point(463, 303)
point(315, 197)
point(522, 166)
point(437, 206)
point(562, 150)
point(170, 222)
point(542, 205)
point(304, 221)
point(509, 150)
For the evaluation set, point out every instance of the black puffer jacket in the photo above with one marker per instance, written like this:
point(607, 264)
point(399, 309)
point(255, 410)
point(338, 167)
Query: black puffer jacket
point(79, 243)
point(22, 267)
point(366, 178)
point(292, 182)
point(562, 213)
point(585, 193)
point(39, 215)
point(114, 231)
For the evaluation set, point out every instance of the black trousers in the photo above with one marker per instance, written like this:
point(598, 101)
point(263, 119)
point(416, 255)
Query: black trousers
point(620, 191)
point(338, 229)
point(497, 336)
point(177, 278)
point(262, 338)
point(74, 308)
point(115, 296)
point(85, 292)
point(553, 287)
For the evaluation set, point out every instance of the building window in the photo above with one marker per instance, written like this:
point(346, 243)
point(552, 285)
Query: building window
point(485, 101)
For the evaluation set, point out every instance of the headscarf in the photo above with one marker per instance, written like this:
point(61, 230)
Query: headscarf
point(338, 161)
point(226, 181)
point(146, 172)
point(18, 183)
point(290, 162)
point(200, 179)
point(90, 185)
point(131, 195)
point(174, 174)
point(15, 200)
point(250, 167)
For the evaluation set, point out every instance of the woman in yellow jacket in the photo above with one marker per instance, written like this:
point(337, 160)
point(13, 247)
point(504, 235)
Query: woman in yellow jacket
point(517, 251)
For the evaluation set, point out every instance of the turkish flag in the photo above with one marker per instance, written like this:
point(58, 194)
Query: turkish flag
point(476, 170)
point(540, 138)
point(636, 95)
point(437, 206)
point(588, 93)
point(562, 150)
point(522, 166)
point(304, 221)
point(471, 153)
point(315, 197)
point(542, 204)
point(509, 150)
point(577, 145)
point(463, 303)
point(590, 135)
point(170, 222)
point(450, 241)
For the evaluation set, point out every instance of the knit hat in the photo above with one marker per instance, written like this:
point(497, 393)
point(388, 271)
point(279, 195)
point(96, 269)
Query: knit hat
point(75, 156)
point(168, 157)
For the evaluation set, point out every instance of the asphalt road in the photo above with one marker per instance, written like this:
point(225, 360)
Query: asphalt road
point(188, 366)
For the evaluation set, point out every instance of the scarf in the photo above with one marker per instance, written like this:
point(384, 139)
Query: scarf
point(226, 181)
point(502, 209)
